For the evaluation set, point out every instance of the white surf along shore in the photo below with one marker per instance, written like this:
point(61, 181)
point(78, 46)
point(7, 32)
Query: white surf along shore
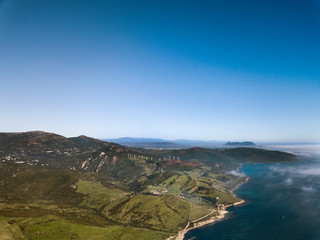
point(217, 214)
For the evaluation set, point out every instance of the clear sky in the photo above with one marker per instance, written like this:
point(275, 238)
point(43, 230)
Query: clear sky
point(218, 70)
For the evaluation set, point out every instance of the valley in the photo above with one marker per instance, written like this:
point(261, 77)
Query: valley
point(52, 187)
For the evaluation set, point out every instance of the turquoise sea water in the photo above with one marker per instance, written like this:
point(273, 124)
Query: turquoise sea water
point(282, 202)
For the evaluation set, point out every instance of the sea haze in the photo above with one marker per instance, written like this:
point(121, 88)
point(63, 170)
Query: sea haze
point(282, 202)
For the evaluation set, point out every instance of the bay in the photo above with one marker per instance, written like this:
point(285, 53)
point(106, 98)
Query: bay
point(282, 202)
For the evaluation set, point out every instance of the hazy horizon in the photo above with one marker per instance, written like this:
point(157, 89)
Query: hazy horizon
point(284, 144)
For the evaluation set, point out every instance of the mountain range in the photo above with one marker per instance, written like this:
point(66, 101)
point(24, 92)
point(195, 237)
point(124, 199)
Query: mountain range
point(49, 149)
point(53, 187)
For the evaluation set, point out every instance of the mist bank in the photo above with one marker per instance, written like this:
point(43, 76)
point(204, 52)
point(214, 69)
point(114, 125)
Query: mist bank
point(303, 150)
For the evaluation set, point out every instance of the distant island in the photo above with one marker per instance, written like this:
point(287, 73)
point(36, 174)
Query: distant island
point(240, 144)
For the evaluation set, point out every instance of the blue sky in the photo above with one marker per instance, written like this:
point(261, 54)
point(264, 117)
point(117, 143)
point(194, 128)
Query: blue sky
point(218, 70)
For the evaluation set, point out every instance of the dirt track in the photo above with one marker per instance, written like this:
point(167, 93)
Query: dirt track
point(4, 233)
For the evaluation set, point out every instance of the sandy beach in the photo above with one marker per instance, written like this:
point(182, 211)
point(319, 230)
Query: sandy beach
point(213, 219)
point(198, 223)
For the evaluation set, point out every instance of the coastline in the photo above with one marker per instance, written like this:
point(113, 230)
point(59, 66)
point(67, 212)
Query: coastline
point(221, 215)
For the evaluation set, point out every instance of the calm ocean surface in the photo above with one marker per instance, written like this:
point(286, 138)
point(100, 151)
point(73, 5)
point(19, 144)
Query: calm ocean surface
point(282, 202)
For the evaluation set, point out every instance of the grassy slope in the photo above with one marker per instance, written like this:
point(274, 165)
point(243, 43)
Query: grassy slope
point(97, 195)
point(4, 231)
point(50, 217)
point(130, 198)
point(93, 200)
point(54, 228)
point(165, 213)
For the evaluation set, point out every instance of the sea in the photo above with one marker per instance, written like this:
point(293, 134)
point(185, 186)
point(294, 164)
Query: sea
point(282, 202)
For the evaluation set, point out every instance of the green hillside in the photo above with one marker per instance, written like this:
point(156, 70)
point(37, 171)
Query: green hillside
point(52, 187)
